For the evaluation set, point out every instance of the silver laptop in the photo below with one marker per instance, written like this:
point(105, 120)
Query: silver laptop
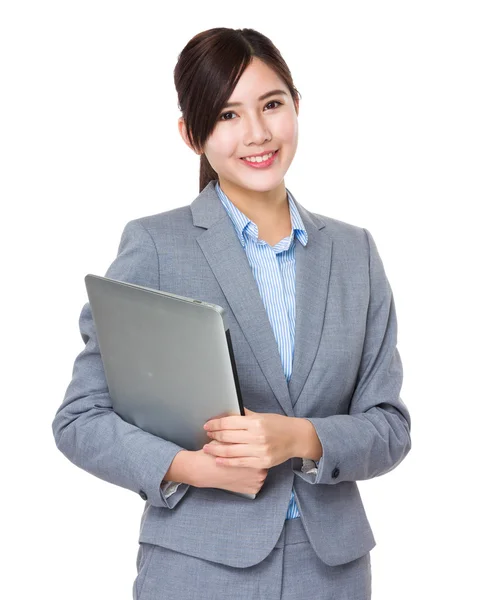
point(168, 359)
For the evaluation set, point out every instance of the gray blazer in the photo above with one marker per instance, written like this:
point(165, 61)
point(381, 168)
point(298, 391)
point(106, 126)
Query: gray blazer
point(346, 380)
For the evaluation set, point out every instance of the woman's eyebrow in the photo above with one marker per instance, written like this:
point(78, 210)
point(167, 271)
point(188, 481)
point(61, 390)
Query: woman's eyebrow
point(267, 95)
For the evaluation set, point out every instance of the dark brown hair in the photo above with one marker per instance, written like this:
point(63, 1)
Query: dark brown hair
point(208, 70)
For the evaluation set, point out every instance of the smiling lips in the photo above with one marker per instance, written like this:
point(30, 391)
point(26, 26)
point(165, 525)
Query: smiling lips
point(261, 161)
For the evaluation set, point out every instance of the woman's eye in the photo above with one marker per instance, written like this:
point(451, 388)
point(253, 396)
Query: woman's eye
point(232, 113)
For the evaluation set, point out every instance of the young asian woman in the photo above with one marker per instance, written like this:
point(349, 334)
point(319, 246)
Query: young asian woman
point(314, 330)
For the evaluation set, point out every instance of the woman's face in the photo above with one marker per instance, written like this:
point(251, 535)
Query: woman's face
point(252, 127)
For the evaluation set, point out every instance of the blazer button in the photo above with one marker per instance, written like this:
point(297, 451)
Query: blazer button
point(335, 473)
point(143, 495)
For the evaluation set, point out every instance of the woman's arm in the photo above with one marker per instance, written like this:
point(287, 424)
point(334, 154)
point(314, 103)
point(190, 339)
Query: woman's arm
point(86, 428)
point(375, 436)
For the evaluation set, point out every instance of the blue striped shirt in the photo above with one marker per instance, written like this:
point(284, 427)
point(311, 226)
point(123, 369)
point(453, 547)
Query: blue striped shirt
point(274, 273)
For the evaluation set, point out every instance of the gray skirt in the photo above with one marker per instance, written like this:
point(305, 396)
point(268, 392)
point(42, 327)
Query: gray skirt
point(292, 571)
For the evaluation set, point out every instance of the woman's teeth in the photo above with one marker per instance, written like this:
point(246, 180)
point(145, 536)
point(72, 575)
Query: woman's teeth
point(259, 159)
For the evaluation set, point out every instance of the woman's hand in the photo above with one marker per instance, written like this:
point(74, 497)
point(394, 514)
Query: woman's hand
point(258, 440)
point(208, 474)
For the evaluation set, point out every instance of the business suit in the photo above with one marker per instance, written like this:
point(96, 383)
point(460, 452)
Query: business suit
point(346, 380)
point(273, 267)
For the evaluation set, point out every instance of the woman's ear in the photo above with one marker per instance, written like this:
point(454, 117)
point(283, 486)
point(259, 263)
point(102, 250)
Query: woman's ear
point(182, 128)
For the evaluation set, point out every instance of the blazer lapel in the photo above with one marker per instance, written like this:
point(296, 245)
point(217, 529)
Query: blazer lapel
point(312, 272)
point(228, 261)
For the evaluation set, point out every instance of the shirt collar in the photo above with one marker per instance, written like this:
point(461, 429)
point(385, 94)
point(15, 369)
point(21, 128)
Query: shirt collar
point(241, 221)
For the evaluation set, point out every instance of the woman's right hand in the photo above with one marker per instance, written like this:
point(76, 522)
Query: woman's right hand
point(247, 480)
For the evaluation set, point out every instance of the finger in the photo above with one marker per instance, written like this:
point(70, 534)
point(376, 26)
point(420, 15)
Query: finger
point(231, 436)
point(241, 461)
point(232, 422)
point(231, 450)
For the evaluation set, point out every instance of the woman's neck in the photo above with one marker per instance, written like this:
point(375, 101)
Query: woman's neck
point(270, 208)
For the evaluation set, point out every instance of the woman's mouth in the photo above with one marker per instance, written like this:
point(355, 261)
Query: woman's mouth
point(260, 165)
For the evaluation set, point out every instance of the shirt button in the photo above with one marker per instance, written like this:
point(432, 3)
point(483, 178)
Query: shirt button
point(335, 473)
point(143, 495)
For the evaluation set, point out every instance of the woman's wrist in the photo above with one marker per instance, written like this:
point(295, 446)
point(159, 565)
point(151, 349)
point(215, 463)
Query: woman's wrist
point(307, 443)
point(181, 468)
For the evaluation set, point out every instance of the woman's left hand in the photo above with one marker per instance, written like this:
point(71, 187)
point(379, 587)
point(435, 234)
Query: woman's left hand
point(260, 440)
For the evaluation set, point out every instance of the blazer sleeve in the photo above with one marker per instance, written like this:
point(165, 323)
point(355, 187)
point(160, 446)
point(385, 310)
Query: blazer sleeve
point(374, 437)
point(86, 428)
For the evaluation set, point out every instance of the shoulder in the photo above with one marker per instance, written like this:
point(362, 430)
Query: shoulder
point(175, 216)
point(171, 221)
point(342, 234)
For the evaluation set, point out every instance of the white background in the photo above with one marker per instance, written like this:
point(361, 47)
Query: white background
point(393, 137)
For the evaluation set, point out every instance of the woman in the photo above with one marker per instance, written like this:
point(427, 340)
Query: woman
point(313, 324)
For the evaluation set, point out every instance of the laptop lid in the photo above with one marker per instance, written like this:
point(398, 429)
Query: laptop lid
point(168, 359)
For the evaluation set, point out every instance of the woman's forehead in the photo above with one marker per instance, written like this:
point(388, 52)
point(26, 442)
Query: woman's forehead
point(257, 80)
